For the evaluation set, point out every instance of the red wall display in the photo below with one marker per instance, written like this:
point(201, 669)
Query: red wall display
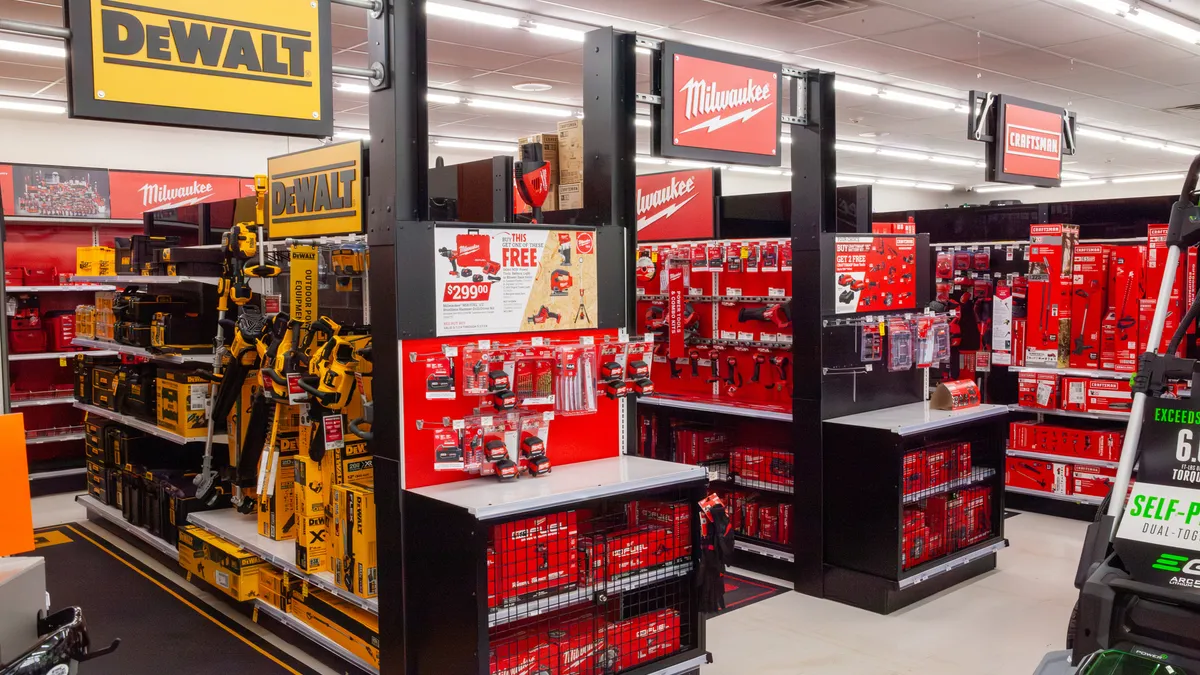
point(134, 193)
point(677, 205)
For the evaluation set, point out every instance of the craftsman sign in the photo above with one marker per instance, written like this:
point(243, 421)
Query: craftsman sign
point(316, 192)
point(1026, 140)
point(677, 205)
point(262, 66)
point(719, 107)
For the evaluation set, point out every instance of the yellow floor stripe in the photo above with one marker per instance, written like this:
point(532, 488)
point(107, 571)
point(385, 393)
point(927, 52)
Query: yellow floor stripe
point(186, 602)
point(50, 538)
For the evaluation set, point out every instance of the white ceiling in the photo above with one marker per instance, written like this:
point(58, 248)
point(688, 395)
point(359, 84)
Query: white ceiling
point(1112, 72)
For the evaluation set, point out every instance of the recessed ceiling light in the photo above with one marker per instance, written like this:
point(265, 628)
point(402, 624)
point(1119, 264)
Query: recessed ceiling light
point(875, 134)
point(532, 86)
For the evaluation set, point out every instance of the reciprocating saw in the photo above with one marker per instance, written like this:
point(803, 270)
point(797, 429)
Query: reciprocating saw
point(778, 314)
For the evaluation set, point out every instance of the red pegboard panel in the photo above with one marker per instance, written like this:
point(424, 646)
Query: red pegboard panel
point(572, 439)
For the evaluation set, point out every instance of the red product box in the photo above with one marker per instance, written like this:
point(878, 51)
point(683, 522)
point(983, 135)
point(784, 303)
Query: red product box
point(675, 516)
point(761, 464)
point(1038, 390)
point(960, 460)
point(1094, 481)
point(750, 520)
point(1051, 260)
point(881, 228)
point(1193, 257)
point(26, 341)
point(1089, 303)
point(977, 507)
point(1108, 342)
point(737, 502)
point(1126, 278)
point(491, 577)
point(1109, 396)
point(1074, 393)
point(914, 550)
point(914, 472)
point(1018, 337)
point(1146, 319)
point(1021, 435)
point(619, 553)
point(524, 653)
point(536, 554)
point(785, 524)
point(937, 467)
point(1032, 474)
point(1156, 260)
point(641, 639)
point(768, 523)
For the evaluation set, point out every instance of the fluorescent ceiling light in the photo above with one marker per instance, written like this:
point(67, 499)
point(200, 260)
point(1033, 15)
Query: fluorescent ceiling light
point(1110, 6)
point(903, 154)
point(942, 187)
point(642, 159)
point(471, 16)
point(352, 88)
point(47, 108)
point(893, 182)
point(849, 147)
point(863, 180)
point(1143, 142)
point(1182, 150)
point(351, 135)
point(1088, 132)
point(442, 98)
point(1074, 175)
point(1161, 24)
point(32, 48)
point(953, 161)
point(1003, 188)
point(520, 108)
point(1147, 179)
point(556, 32)
point(757, 169)
point(855, 88)
point(476, 145)
point(1083, 183)
point(643, 50)
point(940, 104)
point(642, 122)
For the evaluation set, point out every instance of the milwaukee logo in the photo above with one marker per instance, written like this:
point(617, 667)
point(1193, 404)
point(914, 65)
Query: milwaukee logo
point(1031, 142)
point(704, 98)
point(154, 194)
point(468, 250)
point(628, 551)
point(669, 196)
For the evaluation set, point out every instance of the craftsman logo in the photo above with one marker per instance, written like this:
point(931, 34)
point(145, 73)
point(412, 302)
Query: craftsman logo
point(1032, 144)
point(193, 64)
point(676, 205)
point(717, 105)
point(317, 192)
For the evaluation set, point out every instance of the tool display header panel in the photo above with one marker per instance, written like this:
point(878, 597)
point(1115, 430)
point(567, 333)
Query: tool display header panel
point(316, 192)
point(677, 205)
point(1026, 139)
point(263, 66)
point(718, 107)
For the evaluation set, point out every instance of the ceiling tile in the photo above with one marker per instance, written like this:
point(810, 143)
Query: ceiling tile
point(760, 29)
point(1121, 51)
point(19, 87)
point(872, 56)
point(350, 59)
point(347, 36)
point(1179, 71)
point(349, 16)
point(1033, 64)
point(493, 37)
point(44, 11)
point(1099, 81)
point(1040, 24)
point(960, 77)
point(955, 9)
point(948, 41)
point(1159, 98)
point(46, 70)
point(875, 21)
point(547, 70)
point(472, 57)
point(663, 12)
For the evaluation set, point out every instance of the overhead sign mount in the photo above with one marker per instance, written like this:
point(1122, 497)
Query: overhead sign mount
point(1026, 140)
point(316, 192)
point(262, 66)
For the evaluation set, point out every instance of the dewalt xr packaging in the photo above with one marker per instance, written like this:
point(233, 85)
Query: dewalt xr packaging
point(353, 554)
point(220, 563)
point(277, 507)
point(355, 629)
point(311, 491)
point(181, 397)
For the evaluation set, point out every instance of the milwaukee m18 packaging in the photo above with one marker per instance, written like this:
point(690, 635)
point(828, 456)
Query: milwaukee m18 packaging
point(671, 515)
point(1002, 328)
point(536, 554)
point(1088, 304)
point(1126, 279)
point(1051, 255)
point(1031, 474)
point(1109, 396)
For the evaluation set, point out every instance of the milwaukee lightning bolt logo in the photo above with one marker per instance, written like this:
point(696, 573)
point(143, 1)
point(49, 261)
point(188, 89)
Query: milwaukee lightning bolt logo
point(724, 105)
point(671, 198)
point(705, 98)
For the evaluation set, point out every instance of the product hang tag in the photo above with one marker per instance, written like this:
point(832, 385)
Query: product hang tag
point(295, 393)
point(334, 435)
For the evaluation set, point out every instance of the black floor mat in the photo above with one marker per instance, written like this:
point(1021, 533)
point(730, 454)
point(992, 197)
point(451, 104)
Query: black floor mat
point(743, 591)
point(162, 628)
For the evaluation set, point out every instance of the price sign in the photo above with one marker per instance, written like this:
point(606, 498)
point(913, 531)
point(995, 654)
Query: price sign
point(467, 292)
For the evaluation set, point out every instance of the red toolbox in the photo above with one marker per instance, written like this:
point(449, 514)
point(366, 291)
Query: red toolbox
point(60, 330)
point(26, 341)
point(41, 275)
point(14, 276)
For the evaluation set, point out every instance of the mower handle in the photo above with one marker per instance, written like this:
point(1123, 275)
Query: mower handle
point(320, 396)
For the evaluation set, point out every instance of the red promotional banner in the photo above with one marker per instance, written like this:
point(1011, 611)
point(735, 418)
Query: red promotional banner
point(675, 290)
point(55, 192)
point(1032, 142)
point(134, 193)
point(875, 273)
point(676, 205)
point(720, 106)
point(246, 186)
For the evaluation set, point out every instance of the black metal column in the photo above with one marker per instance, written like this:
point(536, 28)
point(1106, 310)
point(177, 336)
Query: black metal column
point(814, 189)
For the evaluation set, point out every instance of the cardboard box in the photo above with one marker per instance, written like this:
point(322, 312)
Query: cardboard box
point(1126, 278)
point(1146, 308)
point(1051, 262)
point(570, 196)
point(353, 558)
point(1038, 390)
point(1021, 435)
point(1109, 396)
point(181, 397)
point(354, 629)
point(536, 554)
point(615, 554)
point(221, 563)
point(1156, 260)
point(276, 587)
point(277, 507)
point(642, 638)
point(676, 516)
point(570, 152)
point(313, 491)
point(914, 472)
point(1018, 334)
point(764, 465)
point(1032, 474)
point(1094, 481)
point(1089, 303)
point(1108, 342)
point(937, 467)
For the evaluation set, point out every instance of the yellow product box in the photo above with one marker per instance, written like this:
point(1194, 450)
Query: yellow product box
point(312, 534)
point(239, 416)
point(221, 563)
point(95, 261)
point(570, 196)
point(277, 508)
point(181, 397)
point(276, 587)
point(355, 629)
point(354, 559)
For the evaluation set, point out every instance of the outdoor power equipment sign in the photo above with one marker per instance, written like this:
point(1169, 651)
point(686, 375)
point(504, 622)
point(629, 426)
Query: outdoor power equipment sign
point(316, 192)
point(261, 66)
point(676, 205)
point(504, 280)
point(718, 107)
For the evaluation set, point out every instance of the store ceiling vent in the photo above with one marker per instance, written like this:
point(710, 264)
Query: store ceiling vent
point(812, 10)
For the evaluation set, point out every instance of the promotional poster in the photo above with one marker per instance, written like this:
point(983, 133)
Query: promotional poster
point(509, 280)
point(875, 273)
point(56, 191)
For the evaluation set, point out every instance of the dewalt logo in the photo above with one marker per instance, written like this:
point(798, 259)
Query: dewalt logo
point(316, 192)
point(259, 66)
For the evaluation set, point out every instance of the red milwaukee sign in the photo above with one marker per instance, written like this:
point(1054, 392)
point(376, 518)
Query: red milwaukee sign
point(134, 193)
point(1032, 142)
point(676, 205)
point(720, 107)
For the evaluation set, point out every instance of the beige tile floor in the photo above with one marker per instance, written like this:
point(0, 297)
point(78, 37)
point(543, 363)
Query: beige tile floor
point(999, 624)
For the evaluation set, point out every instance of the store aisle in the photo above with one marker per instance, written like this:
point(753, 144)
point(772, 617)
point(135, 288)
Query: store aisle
point(999, 624)
point(57, 509)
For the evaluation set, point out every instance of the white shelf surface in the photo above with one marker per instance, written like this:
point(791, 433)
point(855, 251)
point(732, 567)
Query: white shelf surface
point(1066, 459)
point(60, 289)
point(1077, 499)
point(721, 408)
point(243, 529)
point(148, 427)
point(48, 356)
point(1072, 372)
point(58, 473)
point(312, 634)
point(38, 402)
point(138, 351)
point(486, 498)
point(38, 440)
point(751, 547)
point(126, 280)
point(113, 516)
point(955, 561)
point(916, 418)
point(1113, 416)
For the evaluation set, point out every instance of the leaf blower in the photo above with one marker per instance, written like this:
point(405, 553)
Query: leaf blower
point(533, 178)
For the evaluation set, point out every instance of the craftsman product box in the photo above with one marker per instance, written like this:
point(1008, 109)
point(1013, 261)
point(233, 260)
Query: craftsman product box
point(550, 154)
point(763, 464)
point(536, 554)
point(1146, 308)
point(353, 556)
point(1051, 264)
point(1074, 393)
point(221, 563)
point(673, 515)
point(1038, 390)
point(1108, 342)
point(181, 396)
point(1126, 280)
point(570, 196)
point(1021, 435)
point(1156, 261)
point(570, 152)
point(351, 627)
point(1109, 396)
point(1018, 344)
point(1032, 474)
point(1089, 304)
point(1093, 481)
point(277, 506)
point(615, 554)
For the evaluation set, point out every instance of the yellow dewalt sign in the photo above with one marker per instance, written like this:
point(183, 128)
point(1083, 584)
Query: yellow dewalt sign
point(316, 192)
point(261, 66)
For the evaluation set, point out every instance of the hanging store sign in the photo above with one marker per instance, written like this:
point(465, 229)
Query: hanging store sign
point(316, 192)
point(134, 193)
point(718, 107)
point(1026, 140)
point(262, 66)
point(677, 205)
